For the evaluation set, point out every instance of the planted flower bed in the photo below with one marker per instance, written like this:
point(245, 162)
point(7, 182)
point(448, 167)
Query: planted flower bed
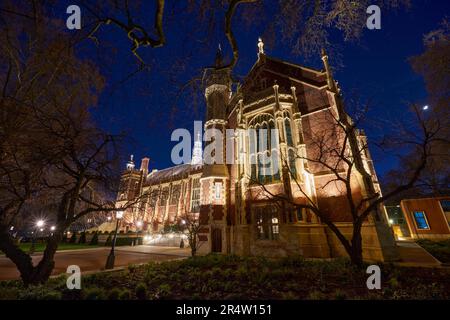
point(232, 277)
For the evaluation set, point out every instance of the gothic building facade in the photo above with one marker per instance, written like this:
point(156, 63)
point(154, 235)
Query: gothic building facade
point(240, 205)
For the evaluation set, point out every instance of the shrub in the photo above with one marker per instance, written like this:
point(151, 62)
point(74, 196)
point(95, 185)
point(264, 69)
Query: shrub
point(393, 283)
point(73, 238)
point(125, 295)
point(40, 292)
point(292, 261)
point(141, 291)
point(164, 290)
point(316, 295)
point(127, 241)
point(82, 238)
point(94, 240)
point(114, 294)
point(340, 295)
point(108, 240)
point(289, 295)
point(94, 294)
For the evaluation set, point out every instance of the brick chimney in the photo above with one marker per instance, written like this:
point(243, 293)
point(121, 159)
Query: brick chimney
point(144, 164)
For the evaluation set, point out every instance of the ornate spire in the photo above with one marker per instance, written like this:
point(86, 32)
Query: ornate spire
point(330, 81)
point(130, 163)
point(219, 58)
point(260, 46)
point(197, 153)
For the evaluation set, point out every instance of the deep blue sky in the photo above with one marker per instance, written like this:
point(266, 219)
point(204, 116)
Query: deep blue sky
point(376, 67)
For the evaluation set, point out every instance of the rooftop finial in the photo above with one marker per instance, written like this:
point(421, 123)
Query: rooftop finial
point(219, 56)
point(197, 153)
point(260, 46)
point(130, 163)
point(330, 81)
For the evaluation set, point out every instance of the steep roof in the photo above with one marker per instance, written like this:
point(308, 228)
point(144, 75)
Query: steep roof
point(275, 68)
point(171, 173)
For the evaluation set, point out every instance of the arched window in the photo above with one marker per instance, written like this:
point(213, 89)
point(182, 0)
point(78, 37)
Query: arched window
point(252, 153)
point(290, 144)
point(292, 156)
point(287, 126)
point(263, 153)
point(267, 224)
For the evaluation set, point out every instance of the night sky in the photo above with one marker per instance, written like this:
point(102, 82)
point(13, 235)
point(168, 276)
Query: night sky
point(376, 67)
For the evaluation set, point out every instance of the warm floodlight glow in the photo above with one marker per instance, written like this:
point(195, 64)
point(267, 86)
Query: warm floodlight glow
point(53, 228)
point(40, 223)
point(139, 223)
point(391, 221)
point(119, 214)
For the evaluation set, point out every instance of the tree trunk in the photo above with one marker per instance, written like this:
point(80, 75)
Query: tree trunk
point(44, 269)
point(356, 252)
point(22, 260)
point(28, 273)
point(193, 244)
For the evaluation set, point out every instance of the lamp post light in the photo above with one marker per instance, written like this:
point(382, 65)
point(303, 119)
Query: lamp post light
point(111, 257)
point(39, 225)
point(138, 226)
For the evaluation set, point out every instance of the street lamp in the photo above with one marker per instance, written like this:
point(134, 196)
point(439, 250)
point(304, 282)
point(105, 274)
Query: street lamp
point(39, 225)
point(111, 257)
point(138, 226)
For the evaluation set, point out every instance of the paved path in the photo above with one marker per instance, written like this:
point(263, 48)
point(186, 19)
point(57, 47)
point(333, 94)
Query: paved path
point(413, 255)
point(94, 259)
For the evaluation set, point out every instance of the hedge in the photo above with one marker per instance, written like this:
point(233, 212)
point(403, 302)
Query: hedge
point(94, 240)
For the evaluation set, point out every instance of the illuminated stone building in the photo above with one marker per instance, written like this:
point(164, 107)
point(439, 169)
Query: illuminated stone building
point(237, 217)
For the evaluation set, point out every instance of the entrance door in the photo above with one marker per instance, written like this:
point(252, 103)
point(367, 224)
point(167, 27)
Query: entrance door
point(216, 236)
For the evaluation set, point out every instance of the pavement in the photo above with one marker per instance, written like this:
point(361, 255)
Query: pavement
point(94, 259)
point(413, 255)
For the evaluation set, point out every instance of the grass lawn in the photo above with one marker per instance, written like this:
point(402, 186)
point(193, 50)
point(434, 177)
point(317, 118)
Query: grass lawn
point(62, 246)
point(439, 249)
point(231, 277)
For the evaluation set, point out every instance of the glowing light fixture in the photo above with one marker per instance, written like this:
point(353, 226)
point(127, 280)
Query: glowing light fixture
point(119, 214)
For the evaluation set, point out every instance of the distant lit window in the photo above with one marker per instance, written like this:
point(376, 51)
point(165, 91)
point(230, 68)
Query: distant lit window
point(421, 220)
point(217, 190)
